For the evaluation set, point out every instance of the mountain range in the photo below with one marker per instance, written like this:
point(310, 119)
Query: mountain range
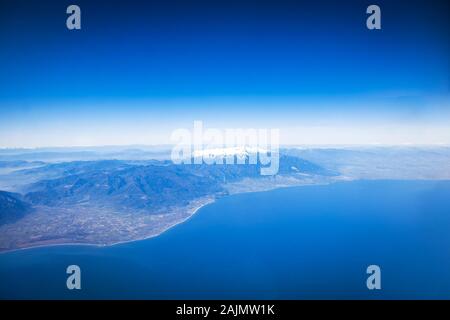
point(149, 186)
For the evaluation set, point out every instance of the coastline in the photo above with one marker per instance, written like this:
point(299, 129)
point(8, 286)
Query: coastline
point(191, 214)
point(206, 201)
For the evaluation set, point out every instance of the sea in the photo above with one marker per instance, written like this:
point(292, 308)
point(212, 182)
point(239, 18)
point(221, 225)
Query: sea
point(308, 242)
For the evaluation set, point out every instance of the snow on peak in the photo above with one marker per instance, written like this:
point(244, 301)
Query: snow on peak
point(229, 151)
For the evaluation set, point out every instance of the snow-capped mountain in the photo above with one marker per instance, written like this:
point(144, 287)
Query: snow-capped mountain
point(241, 152)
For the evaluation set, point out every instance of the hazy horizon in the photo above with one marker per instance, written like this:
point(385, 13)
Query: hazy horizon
point(271, 67)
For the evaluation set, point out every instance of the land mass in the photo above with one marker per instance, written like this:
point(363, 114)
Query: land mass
point(108, 201)
point(103, 202)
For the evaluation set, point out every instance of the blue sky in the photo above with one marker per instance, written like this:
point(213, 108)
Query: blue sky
point(139, 69)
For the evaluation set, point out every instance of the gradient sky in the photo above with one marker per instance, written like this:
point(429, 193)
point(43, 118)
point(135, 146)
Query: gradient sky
point(139, 69)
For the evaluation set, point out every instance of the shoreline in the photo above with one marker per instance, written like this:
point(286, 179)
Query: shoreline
point(196, 209)
point(209, 201)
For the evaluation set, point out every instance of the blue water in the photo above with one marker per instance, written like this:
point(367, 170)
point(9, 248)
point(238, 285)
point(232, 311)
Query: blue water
point(303, 242)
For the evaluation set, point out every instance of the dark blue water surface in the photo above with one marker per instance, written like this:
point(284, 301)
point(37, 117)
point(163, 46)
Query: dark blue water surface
point(303, 242)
